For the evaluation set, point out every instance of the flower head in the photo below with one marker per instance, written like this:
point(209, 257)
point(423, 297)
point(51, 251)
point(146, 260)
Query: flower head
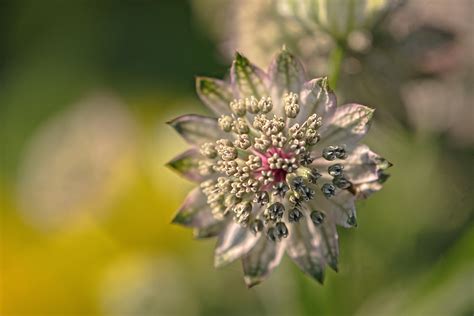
point(277, 169)
point(337, 18)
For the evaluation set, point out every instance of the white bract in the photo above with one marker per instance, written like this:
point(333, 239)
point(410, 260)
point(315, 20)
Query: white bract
point(278, 168)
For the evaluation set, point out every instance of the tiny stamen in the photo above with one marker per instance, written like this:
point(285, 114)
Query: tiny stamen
point(328, 190)
point(317, 217)
point(274, 212)
point(294, 215)
point(281, 230)
point(225, 122)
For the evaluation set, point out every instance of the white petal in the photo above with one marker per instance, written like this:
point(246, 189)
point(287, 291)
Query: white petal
point(262, 259)
point(197, 129)
point(331, 241)
point(363, 168)
point(247, 79)
point(233, 243)
point(348, 125)
point(317, 97)
point(363, 165)
point(306, 248)
point(286, 74)
point(216, 94)
point(194, 212)
point(341, 207)
point(186, 164)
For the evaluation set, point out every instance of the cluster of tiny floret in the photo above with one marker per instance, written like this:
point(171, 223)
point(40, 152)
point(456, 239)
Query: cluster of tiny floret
point(263, 171)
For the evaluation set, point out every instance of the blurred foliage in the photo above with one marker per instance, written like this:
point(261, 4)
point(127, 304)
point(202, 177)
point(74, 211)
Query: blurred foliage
point(412, 253)
point(54, 51)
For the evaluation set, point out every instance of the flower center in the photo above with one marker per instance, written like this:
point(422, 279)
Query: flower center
point(276, 164)
point(265, 168)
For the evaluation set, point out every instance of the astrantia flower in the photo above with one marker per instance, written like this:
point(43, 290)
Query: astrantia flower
point(338, 18)
point(277, 169)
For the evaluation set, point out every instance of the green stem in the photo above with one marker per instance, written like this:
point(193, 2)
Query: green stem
point(335, 62)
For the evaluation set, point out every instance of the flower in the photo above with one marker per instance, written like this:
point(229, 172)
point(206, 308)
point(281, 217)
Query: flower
point(337, 18)
point(277, 170)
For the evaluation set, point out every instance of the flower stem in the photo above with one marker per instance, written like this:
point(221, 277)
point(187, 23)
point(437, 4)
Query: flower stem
point(335, 62)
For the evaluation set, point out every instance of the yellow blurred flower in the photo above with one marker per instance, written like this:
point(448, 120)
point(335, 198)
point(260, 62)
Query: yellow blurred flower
point(78, 162)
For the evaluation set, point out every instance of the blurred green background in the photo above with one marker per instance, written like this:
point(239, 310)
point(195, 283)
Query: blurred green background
point(86, 202)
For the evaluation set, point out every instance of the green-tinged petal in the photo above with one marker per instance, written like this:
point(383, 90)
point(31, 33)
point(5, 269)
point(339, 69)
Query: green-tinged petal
point(194, 211)
point(187, 165)
point(247, 79)
point(365, 170)
point(286, 74)
point(331, 242)
point(317, 97)
point(305, 246)
point(363, 165)
point(364, 190)
point(261, 260)
point(197, 129)
point(216, 94)
point(341, 207)
point(348, 125)
point(233, 243)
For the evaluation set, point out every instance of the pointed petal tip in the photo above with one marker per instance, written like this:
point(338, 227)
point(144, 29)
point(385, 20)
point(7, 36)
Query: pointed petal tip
point(238, 56)
point(317, 274)
point(173, 121)
point(352, 222)
point(178, 220)
point(200, 79)
point(250, 282)
point(171, 164)
point(284, 50)
point(322, 82)
point(197, 80)
point(319, 277)
point(219, 262)
point(240, 59)
point(181, 218)
point(333, 265)
point(186, 165)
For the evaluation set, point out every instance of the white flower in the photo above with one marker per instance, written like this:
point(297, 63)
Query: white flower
point(278, 170)
point(335, 17)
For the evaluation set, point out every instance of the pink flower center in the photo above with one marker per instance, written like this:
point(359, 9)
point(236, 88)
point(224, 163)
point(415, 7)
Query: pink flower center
point(278, 173)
